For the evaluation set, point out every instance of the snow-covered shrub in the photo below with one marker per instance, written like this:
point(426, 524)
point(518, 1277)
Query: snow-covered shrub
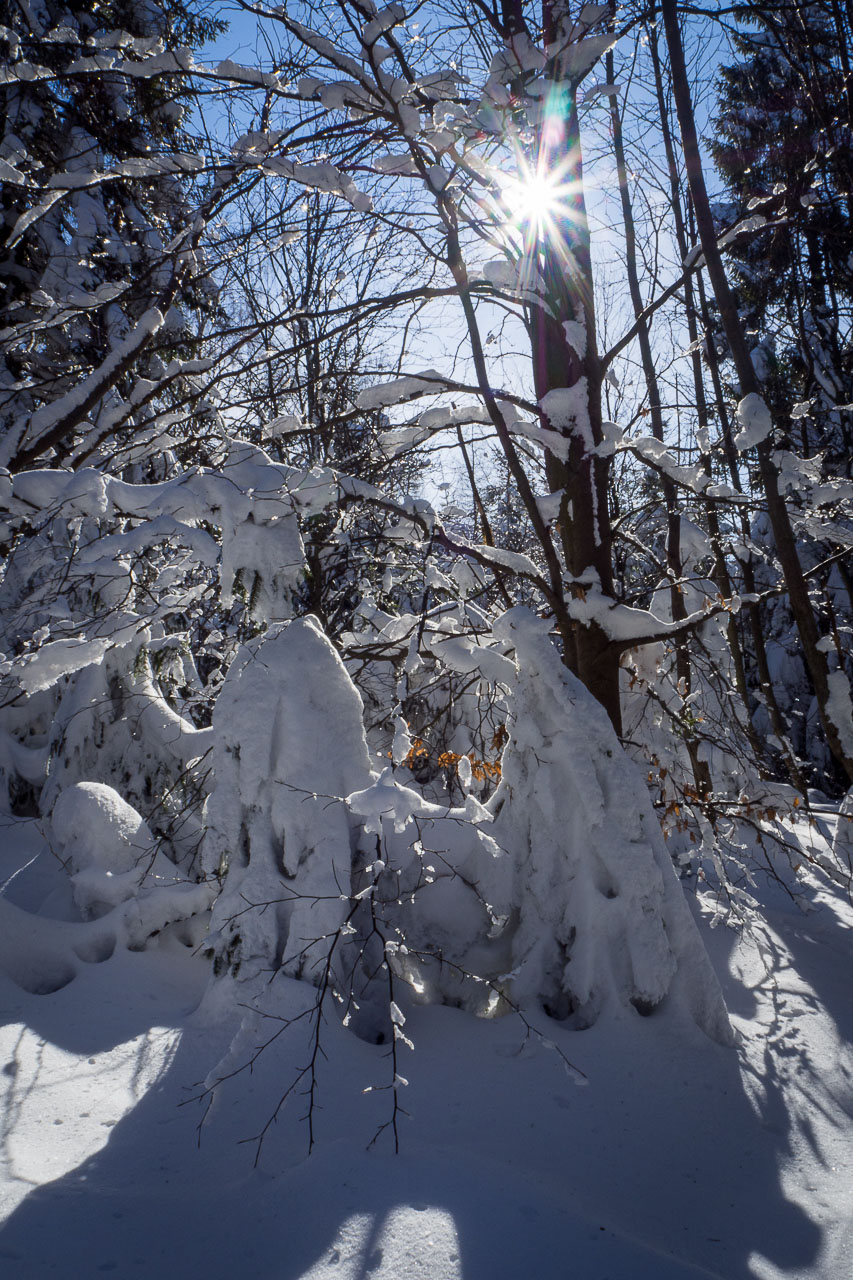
point(559, 893)
point(114, 859)
point(103, 587)
point(289, 747)
point(601, 918)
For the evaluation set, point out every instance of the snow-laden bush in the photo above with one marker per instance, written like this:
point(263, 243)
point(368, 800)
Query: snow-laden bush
point(601, 917)
point(107, 595)
point(559, 894)
point(289, 746)
point(118, 873)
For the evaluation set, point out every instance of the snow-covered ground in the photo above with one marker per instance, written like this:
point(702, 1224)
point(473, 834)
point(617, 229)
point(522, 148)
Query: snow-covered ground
point(677, 1158)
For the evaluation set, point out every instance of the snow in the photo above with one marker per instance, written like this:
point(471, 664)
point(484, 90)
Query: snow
point(385, 19)
point(694, 544)
point(95, 827)
point(549, 506)
point(623, 623)
point(575, 331)
point(515, 561)
point(519, 55)
point(842, 844)
point(233, 71)
point(753, 223)
point(402, 165)
point(276, 827)
point(582, 55)
point(58, 658)
point(755, 421)
point(567, 410)
point(319, 177)
point(270, 557)
point(602, 921)
point(601, 91)
point(657, 455)
point(443, 416)
point(679, 1158)
point(504, 274)
point(840, 710)
point(331, 52)
point(401, 389)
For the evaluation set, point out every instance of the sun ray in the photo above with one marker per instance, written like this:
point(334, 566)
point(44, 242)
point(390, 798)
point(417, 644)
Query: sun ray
point(532, 199)
point(538, 201)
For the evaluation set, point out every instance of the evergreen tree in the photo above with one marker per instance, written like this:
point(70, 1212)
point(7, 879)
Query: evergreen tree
point(96, 154)
point(783, 147)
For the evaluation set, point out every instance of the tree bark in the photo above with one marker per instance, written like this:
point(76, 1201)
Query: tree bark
point(564, 263)
point(701, 772)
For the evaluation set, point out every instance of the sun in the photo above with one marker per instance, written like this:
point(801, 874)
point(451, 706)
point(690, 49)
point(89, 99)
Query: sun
point(532, 200)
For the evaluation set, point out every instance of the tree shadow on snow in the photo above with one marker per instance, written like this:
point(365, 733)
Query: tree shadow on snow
point(659, 1169)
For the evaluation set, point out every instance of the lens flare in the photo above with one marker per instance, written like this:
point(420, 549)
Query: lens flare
point(532, 200)
point(541, 204)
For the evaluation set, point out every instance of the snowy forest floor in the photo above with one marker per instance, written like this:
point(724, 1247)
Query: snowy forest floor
point(679, 1158)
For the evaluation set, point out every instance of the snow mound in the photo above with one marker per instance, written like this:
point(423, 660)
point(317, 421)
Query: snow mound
point(755, 421)
point(94, 827)
point(110, 850)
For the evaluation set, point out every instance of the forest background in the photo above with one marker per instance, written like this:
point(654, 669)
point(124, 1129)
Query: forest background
point(426, 509)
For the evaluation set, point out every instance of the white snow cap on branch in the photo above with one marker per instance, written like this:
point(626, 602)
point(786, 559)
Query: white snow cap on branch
point(840, 708)
point(582, 56)
point(601, 91)
point(58, 658)
point(656, 454)
point(320, 177)
point(387, 18)
point(401, 389)
point(756, 423)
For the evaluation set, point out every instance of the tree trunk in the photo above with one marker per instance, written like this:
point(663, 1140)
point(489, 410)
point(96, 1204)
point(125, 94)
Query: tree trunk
point(564, 262)
point(721, 574)
point(701, 772)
